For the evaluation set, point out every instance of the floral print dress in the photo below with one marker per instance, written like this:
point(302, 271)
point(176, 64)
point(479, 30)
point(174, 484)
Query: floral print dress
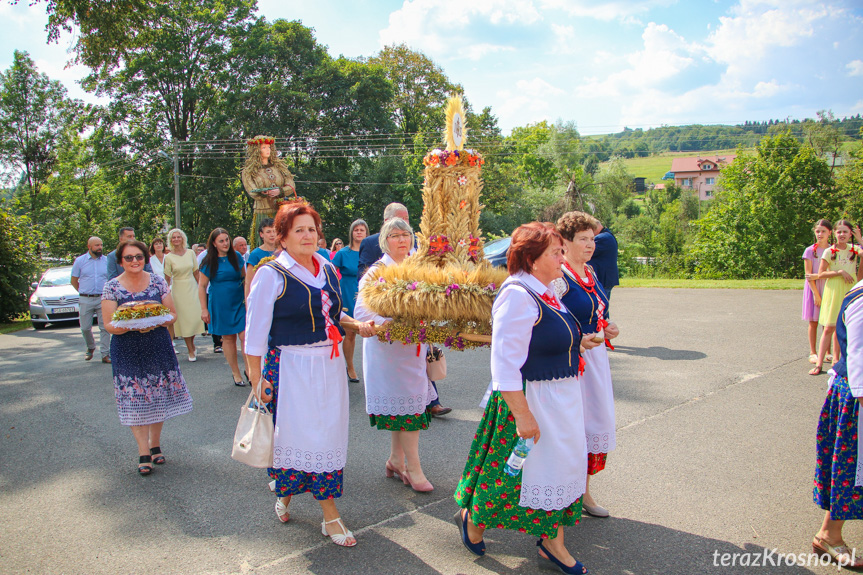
point(148, 384)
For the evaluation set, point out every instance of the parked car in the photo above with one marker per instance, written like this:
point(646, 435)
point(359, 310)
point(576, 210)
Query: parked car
point(54, 299)
point(496, 251)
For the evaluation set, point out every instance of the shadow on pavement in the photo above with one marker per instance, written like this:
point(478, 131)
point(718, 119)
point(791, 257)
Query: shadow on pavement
point(660, 353)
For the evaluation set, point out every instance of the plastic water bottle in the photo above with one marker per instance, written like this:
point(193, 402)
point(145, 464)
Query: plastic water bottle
point(519, 454)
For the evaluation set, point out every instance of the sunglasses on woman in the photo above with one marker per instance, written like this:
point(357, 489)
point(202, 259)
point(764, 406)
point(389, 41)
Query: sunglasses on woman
point(130, 258)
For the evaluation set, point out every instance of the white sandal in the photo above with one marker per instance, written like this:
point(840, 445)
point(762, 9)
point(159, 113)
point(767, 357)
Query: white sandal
point(338, 538)
point(282, 510)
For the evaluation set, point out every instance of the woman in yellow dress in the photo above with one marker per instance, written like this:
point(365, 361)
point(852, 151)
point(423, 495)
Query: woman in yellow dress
point(181, 273)
point(840, 266)
point(265, 178)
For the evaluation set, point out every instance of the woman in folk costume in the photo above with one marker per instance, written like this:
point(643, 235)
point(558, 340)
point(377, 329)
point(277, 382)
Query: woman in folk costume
point(397, 386)
point(265, 178)
point(294, 320)
point(584, 296)
point(535, 362)
point(838, 473)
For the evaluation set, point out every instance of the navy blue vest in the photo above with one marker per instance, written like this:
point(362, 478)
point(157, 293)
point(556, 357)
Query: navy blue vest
point(842, 333)
point(583, 305)
point(298, 316)
point(554, 343)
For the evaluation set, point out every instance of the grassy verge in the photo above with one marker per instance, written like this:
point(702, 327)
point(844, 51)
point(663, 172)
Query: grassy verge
point(15, 325)
point(711, 284)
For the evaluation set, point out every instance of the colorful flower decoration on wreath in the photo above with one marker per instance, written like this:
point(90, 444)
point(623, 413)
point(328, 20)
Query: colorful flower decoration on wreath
point(462, 180)
point(438, 157)
point(439, 245)
point(473, 249)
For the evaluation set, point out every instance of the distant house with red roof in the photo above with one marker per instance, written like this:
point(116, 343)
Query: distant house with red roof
point(699, 172)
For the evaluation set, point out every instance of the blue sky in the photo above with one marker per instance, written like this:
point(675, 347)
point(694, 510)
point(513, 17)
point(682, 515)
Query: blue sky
point(601, 64)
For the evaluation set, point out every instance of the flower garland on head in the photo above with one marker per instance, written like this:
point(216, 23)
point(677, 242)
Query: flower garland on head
point(253, 163)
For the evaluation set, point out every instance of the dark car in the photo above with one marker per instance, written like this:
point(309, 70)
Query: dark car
point(496, 251)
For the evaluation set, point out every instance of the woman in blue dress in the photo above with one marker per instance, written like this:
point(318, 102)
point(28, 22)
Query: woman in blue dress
point(224, 307)
point(148, 385)
point(346, 261)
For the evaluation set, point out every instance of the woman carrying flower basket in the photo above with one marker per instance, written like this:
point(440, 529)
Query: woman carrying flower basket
point(397, 387)
point(148, 384)
point(535, 362)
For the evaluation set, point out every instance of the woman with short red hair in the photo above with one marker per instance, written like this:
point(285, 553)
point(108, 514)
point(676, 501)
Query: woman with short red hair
point(535, 362)
point(294, 320)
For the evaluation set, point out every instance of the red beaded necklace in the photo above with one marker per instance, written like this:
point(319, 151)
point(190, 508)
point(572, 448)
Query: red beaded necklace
point(589, 286)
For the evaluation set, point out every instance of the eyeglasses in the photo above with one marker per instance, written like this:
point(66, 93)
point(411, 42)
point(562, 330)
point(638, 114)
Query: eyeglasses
point(131, 258)
point(404, 236)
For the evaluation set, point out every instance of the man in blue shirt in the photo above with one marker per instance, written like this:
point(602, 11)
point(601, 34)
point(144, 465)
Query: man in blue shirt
point(114, 268)
point(89, 273)
point(604, 260)
point(266, 247)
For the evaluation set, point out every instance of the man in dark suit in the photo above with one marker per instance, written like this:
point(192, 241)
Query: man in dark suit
point(370, 252)
point(604, 260)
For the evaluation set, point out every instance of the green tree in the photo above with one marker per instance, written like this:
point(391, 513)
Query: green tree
point(33, 111)
point(18, 249)
point(82, 201)
point(421, 89)
point(760, 221)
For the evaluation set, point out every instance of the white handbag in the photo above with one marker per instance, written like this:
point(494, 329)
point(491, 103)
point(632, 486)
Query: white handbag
point(436, 363)
point(253, 439)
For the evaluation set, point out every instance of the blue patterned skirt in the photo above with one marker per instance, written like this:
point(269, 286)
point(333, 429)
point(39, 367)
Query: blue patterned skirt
point(148, 384)
point(326, 485)
point(836, 458)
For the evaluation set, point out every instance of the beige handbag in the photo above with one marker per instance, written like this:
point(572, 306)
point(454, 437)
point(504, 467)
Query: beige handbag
point(436, 363)
point(253, 439)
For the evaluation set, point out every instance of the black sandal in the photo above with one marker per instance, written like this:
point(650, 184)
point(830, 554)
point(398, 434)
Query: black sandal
point(157, 455)
point(145, 465)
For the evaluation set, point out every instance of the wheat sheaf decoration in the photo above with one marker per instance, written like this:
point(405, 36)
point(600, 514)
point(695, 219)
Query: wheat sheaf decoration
point(444, 292)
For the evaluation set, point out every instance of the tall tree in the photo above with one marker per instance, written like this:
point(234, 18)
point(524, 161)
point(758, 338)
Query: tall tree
point(33, 111)
point(421, 90)
point(760, 221)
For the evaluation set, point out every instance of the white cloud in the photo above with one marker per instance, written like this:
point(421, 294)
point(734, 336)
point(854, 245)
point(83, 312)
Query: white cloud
point(855, 68)
point(858, 107)
point(564, 39)
point(626, 11)
point(433, 27)
point(530, 100)
point(742, 40)
point(665, 55)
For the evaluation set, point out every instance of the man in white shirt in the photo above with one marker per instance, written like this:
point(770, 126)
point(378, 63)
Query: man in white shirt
point(89, 274)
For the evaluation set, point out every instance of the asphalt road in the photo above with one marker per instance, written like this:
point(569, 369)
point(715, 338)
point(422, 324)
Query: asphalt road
point(716, 423)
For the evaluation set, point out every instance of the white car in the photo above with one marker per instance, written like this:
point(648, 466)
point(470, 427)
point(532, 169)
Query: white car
point(54, 299)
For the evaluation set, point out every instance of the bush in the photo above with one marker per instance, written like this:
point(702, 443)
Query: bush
point(18, 261)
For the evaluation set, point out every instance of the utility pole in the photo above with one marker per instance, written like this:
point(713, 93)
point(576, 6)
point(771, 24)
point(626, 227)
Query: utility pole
point(176, 184)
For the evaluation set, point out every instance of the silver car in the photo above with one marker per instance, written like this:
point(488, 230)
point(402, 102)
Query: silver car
point(55, 300)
